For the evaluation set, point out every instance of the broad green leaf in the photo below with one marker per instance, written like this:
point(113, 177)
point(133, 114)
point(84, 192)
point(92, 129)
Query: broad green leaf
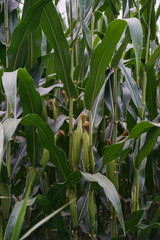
point(52, 28)
point(132, 86)
point(40, 223)
point(142, 127)
point(112, 152)
point(110, 191)
point(100, 61)
point(148, 146)
point(34, 47)
point(17, 51)
point(9, 81)
point(152, 58)
point(14, 216)
point(151, 93)
point(46, 139)
point(30, 98)
point(1, 143)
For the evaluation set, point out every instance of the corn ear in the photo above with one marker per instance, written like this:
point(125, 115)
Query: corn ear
point(86, 150)
point(76, 146)
point(73, 210)
point(134, 199)
point(91, 160)
point(111, 167)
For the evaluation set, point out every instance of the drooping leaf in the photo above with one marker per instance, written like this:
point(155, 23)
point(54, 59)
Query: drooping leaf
point(17, 52)
point(9, 81)
point(132, 86)
point(110, 191)
point(52, 28)
point(46, 139)
point(100, 61)
point(148, 146)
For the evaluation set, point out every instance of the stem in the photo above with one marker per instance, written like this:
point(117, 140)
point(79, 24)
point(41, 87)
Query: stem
point(138, 9)
point(146, 59)
point(137, 191)
point(70, 127)
point(115, 105)
point(90, 128)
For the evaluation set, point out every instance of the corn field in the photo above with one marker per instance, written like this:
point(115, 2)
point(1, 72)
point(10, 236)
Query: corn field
point(79, 120)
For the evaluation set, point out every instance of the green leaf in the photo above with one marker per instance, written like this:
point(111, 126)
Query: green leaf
point(132, 86)
point(34, 47)
point(112, 152)
point(114, 7)
point(17, 51)
point(9, 81)
point(30, 98)
point(40, 223)
point(46, 139)
point(151, 93)
point(110, 191)
point(14, 216)
point(117, 57)
point(1, 144)
point(52, 28)
point(148, 146)
point(152, 58)
point(100, 61)
point(18, 225)
point(137, 39)
point(140, 128)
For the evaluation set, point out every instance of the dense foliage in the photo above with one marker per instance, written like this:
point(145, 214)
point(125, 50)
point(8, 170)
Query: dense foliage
point(79, 120)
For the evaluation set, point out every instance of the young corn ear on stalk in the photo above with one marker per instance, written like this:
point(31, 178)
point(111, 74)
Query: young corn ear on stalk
point(76, 146)
point(87, 153)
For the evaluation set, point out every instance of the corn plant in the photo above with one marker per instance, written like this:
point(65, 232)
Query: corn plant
point(79, 119)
